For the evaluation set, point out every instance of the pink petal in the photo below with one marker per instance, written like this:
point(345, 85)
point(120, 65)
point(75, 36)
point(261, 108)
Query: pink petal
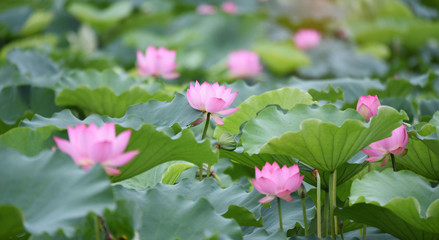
point(228, 111)
point(285, 195)
point(107, 132)
point(112, 171)
point(121, 142)
point(267, 199)
point(293, 182)
point(101, 151)
point(121, 159)
point(264, 185)
point(214, 104)
point(217, 119)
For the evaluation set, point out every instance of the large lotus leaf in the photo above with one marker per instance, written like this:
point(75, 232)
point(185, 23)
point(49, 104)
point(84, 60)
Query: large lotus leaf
point(100, 18)
point(285, 97)
point(324, 138)
point(352, 88)
point(11, 219)
point(339, 59)
point(157, 147)
point(14, 18)
point(405, 194)
point(262, 234)
point(33, 63)
point(422, 157)
point(171, 216)
point(281, 58)
point(160, 114)
point(253, 160)
point(291, 213)
point(51, 191)
point(105, 93)
point(232, 202)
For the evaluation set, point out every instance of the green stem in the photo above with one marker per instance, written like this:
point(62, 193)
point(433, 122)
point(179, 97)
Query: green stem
point(208, 170)
point(332, 204)
point(206, 126)
point(364, 231)
point(280, 214)
point(97, 230)
point(326, 215)
point(305, 219)
point(393, 162)
point(334, 185)
point(319, 207)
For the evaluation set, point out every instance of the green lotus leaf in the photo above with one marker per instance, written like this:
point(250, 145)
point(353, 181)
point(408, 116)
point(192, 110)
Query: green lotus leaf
point(157, 147)
point(232, 202)
point(105, 93)
point(422, 157)
point(403, 194)
point(291, 213)
point(324, 138)
point(281, 58)
point(100, 18)
point(255, 160)
point(352, 88)
point(172, 216)
point(331, 95)
point(285, 97)
point(160, 114)
point(51, 192)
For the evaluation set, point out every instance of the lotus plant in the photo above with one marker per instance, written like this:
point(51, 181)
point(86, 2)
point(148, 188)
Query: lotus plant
point(367, 106)
point(157, 62)
point(212, 100)
point(243, 64)
point(306, 39)
point(394, 145)
point(91, 145)
point(274, 181)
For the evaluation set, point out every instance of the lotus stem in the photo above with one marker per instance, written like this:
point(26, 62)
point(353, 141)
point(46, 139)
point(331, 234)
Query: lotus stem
point(319, 206)
point(393, 162)
point(280, 214)
point(206, 126)
point(97, 230)
point(334, 185)
point(305, 219)
point(326, 215)
point(332, 203)
point(364, 231)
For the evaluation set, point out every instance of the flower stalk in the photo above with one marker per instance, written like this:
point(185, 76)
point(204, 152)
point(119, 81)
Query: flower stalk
point(319, 205)
point(280, 214)
point(332, 197)
point(392, 156)
point(206, 126)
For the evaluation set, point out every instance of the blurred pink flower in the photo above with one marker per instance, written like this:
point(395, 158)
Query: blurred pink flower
point(275, 181)
point(90, 145)
point(367, 106)
point(210, 98)
point(244, 64)
point(157, 62)
point(391, 145)
point(307, 38)
point(229, 7)
point(206, 9)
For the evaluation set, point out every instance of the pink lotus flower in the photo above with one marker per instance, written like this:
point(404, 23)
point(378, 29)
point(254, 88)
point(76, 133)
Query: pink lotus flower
point(157, 62)
point(213, 99)
point(90, 145)
point(244, 64)
point(275, 181)
point(206, 9)
point(367, 106)
point(307, 38)
point(229, 7)
point(391, 145)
